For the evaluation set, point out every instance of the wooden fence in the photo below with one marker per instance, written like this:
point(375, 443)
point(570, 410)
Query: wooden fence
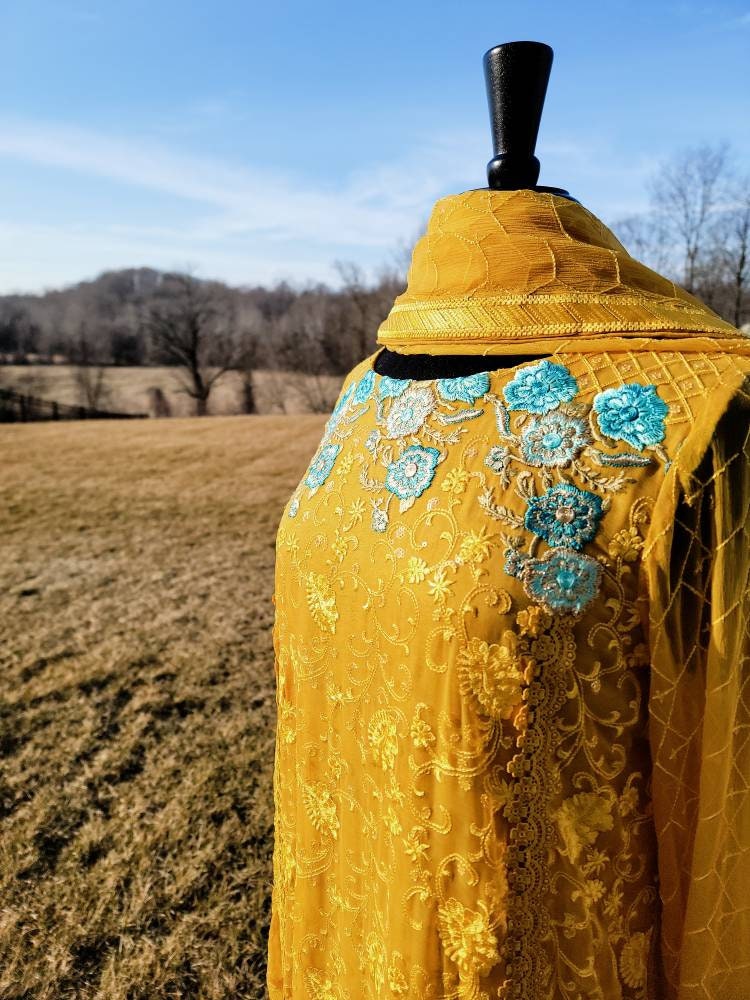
point(17, 407)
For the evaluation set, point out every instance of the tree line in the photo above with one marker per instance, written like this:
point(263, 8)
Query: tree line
point(695, 231)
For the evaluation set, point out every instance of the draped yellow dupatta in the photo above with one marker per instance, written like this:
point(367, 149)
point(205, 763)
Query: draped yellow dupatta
point(507, 272)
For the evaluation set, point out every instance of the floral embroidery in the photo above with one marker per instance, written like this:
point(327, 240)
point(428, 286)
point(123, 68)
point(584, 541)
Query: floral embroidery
point(422, 736)
point(379, 518)
point(554, 439)
point(632, 413)
point(404, 409)
point(626, 545)
point(634, 958)
point(493, 674)
point(364, 387)
point(553, 433)
point(581, 819)
point(540, 387)
point(338, 410)
point(320, 987)
point(468, 388)
point(321, 808)
point(389, 388)
point(549, 736)
point(416, 570)
point(322, 602)
point(564, 515)
point(410, 475)
point(397, 982)
point(320, 468)
point(562, 580)
point(383, 737)
point(409, 412)
point(469, 939)
point(455, 481)
point(439, 586)
point(497, 458)
point(475, 546)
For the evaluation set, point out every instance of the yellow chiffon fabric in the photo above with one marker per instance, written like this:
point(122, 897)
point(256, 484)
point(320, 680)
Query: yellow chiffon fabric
point(512, 639)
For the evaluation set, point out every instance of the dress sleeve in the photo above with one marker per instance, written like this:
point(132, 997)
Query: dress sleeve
point(697, 566)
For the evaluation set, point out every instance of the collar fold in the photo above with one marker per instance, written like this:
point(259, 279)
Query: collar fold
point(503, 272)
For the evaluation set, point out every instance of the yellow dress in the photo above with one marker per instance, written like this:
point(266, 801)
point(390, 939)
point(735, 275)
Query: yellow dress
point(512, 639)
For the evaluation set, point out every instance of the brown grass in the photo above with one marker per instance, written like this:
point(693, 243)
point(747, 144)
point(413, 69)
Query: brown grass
point(137, 720)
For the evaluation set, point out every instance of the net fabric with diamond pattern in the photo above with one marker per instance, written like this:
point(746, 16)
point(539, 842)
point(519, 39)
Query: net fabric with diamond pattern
point(697, 563)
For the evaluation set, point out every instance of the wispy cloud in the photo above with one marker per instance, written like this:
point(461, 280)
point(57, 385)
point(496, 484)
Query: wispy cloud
point(243, 221)
point(366, 210)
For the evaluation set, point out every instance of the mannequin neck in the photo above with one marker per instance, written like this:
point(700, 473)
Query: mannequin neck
point(433, 366)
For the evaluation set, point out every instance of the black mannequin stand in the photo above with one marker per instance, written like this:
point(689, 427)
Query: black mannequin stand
point(516, 75)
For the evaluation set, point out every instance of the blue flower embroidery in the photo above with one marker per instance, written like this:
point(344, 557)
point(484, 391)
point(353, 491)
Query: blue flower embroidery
point(554, 439)
point(541, 387)
point(564, 515)
point(364, 387)
point(339, 408)
point(321, 465)
point(467, 388)
point(389, 388)
point(633, 413)
point(561, 581)
point(410, 475)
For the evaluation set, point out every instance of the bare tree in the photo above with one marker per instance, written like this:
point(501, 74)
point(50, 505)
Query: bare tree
point(685, 194)
point(90, 374)
point(192, 326)
point(309, 345)
point(251, 348)
point(732, 247)
point(355, 291)
point(645, 238)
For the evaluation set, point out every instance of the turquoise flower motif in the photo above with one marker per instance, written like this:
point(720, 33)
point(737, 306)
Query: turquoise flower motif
point(339, 408)
point(633, 413)
point(345, 397)
point(562, 580)
point(321, 465)
point(389, 388)
point(554, 439)
point(564, 516)
point(364, 387)
point(410, 475)
point(540, 387)
point(466, 388)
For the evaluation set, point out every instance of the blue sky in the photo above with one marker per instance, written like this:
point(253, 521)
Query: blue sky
point(259, 142)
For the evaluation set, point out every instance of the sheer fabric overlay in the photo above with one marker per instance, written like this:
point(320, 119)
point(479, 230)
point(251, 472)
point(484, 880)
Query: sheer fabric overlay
point(489, 779)
point(512, 637)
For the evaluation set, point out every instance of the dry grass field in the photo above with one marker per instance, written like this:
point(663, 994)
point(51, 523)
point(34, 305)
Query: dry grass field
point(126, 390)
point(137, 706)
